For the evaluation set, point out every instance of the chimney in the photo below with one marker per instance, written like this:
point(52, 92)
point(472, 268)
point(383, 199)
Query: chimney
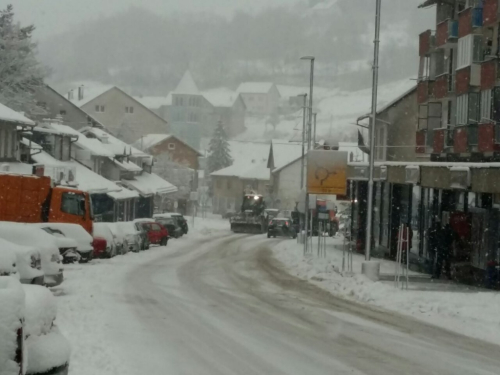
point(80, 92)
point(70, 94)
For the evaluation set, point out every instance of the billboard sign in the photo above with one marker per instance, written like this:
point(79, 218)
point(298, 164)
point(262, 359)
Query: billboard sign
point(327, 172)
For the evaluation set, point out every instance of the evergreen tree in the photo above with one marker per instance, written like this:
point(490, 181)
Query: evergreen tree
point(20, 72)
point(219, 156)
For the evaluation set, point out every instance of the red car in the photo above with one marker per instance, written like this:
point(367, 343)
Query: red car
point(157, 233)
point(99, 245)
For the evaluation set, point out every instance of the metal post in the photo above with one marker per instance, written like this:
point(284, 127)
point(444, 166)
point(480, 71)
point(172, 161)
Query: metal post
point(372, 132)
point(311, 82)
point(303, 142)
point(314, 136)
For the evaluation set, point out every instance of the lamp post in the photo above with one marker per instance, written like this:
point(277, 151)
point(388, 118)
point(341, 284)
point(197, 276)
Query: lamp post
point(311, 84)
point(369, 215)
point(304, 107)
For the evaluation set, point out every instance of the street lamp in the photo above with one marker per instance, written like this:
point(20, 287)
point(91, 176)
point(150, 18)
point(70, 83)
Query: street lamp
point(311, 83)
point(373, 116)
point(304, 107)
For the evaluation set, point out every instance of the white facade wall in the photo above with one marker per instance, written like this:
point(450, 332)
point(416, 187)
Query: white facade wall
point(288, 186)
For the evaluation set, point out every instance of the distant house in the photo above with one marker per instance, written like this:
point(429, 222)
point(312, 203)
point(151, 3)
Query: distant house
point(229, 108)
point(167, 144)
point(261, 98)
point(285, 165)
point(188, 112)
point(55, 105)
point(119, 113)
point(9, 134)
point(249, 171)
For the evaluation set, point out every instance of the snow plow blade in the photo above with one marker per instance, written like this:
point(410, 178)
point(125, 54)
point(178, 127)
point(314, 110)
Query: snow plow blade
point(246, 228)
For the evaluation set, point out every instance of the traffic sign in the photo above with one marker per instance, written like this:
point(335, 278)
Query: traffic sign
point(327, 172)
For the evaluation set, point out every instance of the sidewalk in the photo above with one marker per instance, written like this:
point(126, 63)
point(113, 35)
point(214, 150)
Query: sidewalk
point(471, 311)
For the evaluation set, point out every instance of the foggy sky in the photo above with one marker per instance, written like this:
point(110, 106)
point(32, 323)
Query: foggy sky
point(55, 16)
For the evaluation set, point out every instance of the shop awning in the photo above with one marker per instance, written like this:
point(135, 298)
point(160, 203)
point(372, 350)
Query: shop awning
point(148, 184)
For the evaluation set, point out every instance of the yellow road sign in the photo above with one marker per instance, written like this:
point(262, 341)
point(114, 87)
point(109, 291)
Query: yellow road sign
point(327, 172)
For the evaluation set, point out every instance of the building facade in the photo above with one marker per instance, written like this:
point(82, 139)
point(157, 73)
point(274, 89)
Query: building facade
point(261, 98)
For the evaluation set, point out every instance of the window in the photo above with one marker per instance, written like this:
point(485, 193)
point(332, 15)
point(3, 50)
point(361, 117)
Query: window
point(462, 105)
point(171, 146)
point(129, 109)
point(449, 113)
point(73, 204)
point(424, 68)
point(99, 108)
point(439, 65)
point(470, 50)
point(8, 142)
point(486, 105)
point(474, 108)
point(155, 227)
point(62, 112)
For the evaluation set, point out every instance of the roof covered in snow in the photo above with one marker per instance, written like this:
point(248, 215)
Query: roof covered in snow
point(255, 87)
point(221, 97)
point(148, 184)
point(91, 91)
point(249, 161)
point(284, 153)
point(153, 102)
point(187, 86)
point(86, 179)
point(9, 115)
point(150, 140)
point(116, 146)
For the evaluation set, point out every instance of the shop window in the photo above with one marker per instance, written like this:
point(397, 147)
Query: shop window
point(462, 106)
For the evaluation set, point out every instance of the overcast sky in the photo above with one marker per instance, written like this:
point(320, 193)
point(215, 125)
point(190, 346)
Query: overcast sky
point(55, 16)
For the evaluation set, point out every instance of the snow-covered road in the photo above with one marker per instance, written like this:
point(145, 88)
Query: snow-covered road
point(220, 304)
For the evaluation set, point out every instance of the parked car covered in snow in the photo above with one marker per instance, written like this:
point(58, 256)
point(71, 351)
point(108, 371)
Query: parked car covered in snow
point(8, 262)
point(28, 262)
point(28, 235)
point(77, 233)
point(102, 230)
point(144, 232)
point(67, 246)
point(118, 237)
point(12, 353)
point(157, 233)
point(131, 236)
point(181, 221)
point(174, 230)
point(48, 351)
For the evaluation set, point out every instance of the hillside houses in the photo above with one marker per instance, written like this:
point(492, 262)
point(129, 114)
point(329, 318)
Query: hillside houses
point(261, 98)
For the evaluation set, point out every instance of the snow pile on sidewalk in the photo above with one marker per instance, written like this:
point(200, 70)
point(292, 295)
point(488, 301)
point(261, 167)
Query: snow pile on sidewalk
point(467, 310)
point(209, 225)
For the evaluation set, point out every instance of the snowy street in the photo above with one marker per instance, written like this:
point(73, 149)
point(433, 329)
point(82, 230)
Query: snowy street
point(218, 303)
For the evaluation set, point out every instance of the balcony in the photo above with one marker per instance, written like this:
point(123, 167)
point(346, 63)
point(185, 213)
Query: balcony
point(424, 91)
point(421, 141)
point(426, 42)
point(441, 86)
point(490, 12)
point(438, 146)
point(489, 74)
point(462, 81)
point(460, 144)
point(465, 22)
point(446, 31)
point(488, 138)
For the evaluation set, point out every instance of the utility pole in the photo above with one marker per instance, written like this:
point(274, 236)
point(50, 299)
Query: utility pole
point(309, 127)
point(314, 137)
point(369, 215)
point(303, 141)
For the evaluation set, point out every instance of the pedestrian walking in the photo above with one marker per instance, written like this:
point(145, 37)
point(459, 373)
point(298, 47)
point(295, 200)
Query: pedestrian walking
point(444, 250)
point(434, 233)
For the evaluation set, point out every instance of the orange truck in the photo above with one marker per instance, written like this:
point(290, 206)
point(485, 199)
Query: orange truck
point(33, 199)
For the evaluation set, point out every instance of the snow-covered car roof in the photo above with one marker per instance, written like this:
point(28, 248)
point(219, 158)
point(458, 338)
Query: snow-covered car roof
point(144, 220)
point(167, 214)
point(73, 231)
point(62, 241)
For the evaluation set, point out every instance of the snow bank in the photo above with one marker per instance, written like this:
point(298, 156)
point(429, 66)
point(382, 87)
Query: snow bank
point(11, 315)
point(47, 351)
point(467, 310)
point(24, 255)
point(7, 261)
point(41, 310)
